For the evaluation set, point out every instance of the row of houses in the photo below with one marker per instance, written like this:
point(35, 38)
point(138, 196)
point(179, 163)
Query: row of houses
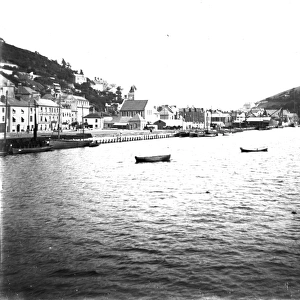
point(25, 107)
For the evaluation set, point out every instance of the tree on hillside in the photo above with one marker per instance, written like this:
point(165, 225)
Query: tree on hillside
point(63, 63)
point(119, 95)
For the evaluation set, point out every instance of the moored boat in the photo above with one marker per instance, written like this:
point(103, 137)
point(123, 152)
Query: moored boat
point(210, 134)
point(227, 133)
point(31, 150)
point(67, 144)
point(94, 144)
point(260, 149)
point(156, 158)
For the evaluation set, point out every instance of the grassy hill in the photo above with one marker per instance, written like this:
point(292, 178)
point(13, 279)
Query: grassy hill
point(50, 71)
point(289, 99)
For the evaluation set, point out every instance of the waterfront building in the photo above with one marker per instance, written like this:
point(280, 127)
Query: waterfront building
point(137, 123)
point(195, 117)
point(169, 117)
point(80, 107)
point(94, 121)
point(131, 108)
point(220, 119)
point(47, 117)
point(20, 115)
point(66, 116)
point(72, 108)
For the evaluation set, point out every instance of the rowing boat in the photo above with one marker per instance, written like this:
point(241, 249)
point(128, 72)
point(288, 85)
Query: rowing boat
point(156, 158)
point(261, 149)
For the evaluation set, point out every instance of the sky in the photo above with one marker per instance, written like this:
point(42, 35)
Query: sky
point(216, 54)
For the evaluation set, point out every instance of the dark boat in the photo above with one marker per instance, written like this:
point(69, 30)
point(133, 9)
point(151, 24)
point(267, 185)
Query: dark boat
point(156, 158)
point(94, 144)
point(67, 144)
point(31, 150)
point(261, 149)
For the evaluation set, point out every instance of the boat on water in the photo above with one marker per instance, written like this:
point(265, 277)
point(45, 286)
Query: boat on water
point(94, 144)
point(260, 149)
point(67, 144)
point(210, 134)
point(227, 133)
point(60, 142)
point(156, 158)
point(31, 150)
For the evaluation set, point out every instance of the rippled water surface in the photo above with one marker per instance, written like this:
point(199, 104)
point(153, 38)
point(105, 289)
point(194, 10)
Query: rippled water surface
point(213, 223)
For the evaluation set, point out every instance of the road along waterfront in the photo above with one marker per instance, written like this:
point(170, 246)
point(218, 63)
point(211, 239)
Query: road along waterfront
point(213, 223)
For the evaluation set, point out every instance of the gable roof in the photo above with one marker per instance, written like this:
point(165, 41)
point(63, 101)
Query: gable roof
point(93, 115)
point(46, 102)
point(17, 102)
point(137, 117)
point(134, 105)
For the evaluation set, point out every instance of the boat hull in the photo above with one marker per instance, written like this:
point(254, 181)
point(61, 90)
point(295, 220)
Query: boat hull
point(67, 144)
point(157, 158)
point(31, 150)
point(263, 149)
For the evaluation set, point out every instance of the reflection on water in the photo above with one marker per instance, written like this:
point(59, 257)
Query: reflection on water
point(213, 223)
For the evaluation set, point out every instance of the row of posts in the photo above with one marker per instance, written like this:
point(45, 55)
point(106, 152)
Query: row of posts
point(132, 138)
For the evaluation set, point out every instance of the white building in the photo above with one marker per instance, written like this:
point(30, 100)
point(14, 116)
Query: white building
point(94, 121)
point(47, 118)
point(79, 78)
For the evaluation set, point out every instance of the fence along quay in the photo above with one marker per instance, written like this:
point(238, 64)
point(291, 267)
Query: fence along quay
point(129, 138)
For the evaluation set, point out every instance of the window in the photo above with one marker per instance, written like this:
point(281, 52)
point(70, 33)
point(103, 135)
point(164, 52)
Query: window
point(3, 109)
point(14, 120)
point(22, 120)
point(96, 120)
point(22, 111)
point(30, 118)
point(41, 119)
point(3, 119)
point(14, 111)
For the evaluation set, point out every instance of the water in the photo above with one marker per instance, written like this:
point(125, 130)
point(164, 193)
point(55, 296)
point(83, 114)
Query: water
point(214, 223)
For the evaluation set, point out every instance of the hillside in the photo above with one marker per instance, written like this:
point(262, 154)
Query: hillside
point(289, 99)
point(49, 71)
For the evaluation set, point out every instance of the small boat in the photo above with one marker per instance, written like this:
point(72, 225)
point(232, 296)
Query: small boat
point(94, 144)
point(210, 134)
point(227, 133)
point(261, 149)
point(31, 150)
point(156, 158)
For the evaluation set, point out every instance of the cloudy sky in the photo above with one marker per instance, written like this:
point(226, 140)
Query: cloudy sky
point(209, 53)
